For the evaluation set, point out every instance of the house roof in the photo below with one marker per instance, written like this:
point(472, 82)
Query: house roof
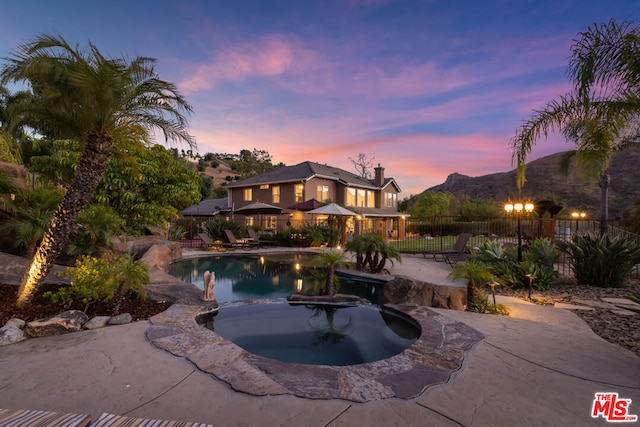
point(307, 170)
point(207, 207)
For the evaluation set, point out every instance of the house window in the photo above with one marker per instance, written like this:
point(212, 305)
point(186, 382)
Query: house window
point(390, 200)
point(270, 222)
point(362, 201)
point(323, 193)
point(248, 221)
point(275, 194)
point(351, 197)
point(371, 200)
point(248, 194)
point(299, 192)
point(264, 186)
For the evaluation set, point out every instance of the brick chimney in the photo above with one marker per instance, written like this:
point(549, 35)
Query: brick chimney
point(379, 176)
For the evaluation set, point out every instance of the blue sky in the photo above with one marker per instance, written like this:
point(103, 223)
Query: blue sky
point(425, 88)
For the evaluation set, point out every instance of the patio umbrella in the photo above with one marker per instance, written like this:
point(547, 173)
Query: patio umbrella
point(257, 208)
point(332, 209)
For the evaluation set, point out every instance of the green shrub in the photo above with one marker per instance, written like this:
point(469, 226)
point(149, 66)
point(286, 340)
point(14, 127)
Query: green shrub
point(538, 261)
point(106, 279)
point(601, 260)
point(176, 232)
point(216, 227)
point(372, 252)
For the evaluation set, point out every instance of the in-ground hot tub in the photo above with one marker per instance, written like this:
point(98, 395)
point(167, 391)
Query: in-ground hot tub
point(315, 333)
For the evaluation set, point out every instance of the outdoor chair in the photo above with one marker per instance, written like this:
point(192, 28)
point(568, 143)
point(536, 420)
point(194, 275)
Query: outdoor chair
point(452, 259)
point(236, 243)
point(207, 241)
point(458, 248)
point(254, 237)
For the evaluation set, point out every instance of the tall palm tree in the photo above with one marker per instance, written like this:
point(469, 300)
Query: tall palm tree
point(79, 94)
point(600, 115)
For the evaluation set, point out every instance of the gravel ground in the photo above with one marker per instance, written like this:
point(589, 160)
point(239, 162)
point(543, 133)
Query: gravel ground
point(616, 328)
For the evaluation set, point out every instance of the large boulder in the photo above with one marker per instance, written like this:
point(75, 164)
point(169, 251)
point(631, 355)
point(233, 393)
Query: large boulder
point(161, 254)
point(405, 290)
point(18, 173)
point(136, 246)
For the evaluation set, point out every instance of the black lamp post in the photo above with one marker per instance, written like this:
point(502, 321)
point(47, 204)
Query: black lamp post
point(519, 209)
point(578, 216)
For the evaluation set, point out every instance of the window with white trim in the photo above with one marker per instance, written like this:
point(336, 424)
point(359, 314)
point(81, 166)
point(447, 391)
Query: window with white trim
point(351, 197)
point(299, 189)
point(322, 193)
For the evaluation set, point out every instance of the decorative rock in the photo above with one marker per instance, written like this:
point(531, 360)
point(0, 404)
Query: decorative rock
point(454, 298)
point(97, 322)
point(405, 290)
point(120, 319)
point(161, 254)
point(10, 334)
point(18, 323)
point(69, 321)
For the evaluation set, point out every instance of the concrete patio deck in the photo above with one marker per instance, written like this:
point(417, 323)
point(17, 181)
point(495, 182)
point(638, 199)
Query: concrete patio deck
point(539, 366)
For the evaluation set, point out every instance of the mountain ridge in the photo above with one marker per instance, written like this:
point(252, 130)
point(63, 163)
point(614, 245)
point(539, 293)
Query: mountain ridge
point(545, 181)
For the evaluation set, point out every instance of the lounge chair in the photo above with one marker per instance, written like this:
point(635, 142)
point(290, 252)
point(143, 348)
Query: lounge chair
point(455, 258)
point(458, 248)
point(253, 236)
point(236, 243)
point(207, 241)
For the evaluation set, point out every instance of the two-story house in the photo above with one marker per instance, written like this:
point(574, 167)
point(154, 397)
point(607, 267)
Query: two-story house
point(374, 200)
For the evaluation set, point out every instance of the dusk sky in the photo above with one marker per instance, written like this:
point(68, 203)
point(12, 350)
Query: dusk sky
point(425, 88)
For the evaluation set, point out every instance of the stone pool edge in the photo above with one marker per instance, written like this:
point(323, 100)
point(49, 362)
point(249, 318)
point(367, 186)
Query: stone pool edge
point(438, 352)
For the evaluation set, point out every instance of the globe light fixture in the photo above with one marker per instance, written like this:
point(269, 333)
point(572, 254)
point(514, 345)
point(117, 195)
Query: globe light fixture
point(519, 209)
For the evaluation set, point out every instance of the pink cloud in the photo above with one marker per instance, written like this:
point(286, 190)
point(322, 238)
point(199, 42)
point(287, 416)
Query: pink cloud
point(269, 56)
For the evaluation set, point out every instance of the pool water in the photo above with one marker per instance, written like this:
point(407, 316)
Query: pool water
point(315, 334)
point(265, 277)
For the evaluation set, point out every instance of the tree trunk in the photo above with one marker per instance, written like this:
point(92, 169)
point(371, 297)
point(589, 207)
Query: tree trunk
point(604, 183)
point(91, 167)
point(330, 288)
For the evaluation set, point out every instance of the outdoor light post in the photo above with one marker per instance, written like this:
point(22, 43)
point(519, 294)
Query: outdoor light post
point(578, 216)
point(519, 209)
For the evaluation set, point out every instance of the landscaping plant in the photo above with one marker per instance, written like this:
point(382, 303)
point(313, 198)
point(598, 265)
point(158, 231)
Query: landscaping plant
point(601, 260)
point(215, 228)
point(107, 279)
point(372, 252)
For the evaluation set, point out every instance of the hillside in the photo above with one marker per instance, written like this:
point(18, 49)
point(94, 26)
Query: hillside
point(544, 180)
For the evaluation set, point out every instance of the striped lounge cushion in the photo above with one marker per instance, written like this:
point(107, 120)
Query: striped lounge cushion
point(110, 420)
point(24, 418)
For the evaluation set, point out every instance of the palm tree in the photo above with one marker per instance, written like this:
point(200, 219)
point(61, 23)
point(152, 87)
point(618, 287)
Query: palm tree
point(81, 95)
point(331, 259)
point(600, 115)
point(372, 252)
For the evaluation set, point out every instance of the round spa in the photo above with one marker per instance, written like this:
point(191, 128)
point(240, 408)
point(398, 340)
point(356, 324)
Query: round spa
point(315, 334)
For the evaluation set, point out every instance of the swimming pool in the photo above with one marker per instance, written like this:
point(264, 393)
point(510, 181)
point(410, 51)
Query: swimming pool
point(247, 277)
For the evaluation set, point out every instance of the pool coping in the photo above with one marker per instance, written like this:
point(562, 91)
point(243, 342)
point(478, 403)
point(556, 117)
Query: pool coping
point(430, 360)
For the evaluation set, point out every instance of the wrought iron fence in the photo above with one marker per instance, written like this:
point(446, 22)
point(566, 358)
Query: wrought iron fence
point(439, 232)
point(422, 234)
